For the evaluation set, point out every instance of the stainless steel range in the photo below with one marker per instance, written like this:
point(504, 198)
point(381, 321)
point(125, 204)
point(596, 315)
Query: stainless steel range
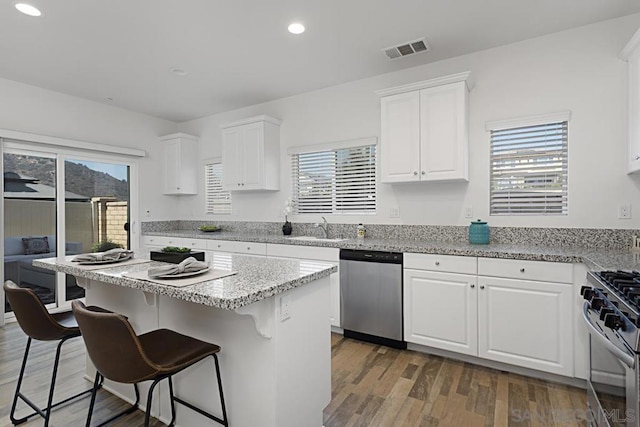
point(611, 312)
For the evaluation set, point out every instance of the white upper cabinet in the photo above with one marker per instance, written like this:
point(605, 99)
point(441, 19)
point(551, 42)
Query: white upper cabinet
point(400, 134)
point(424, 131)
point(251, 154)
point(180, 164)
point(631, 54)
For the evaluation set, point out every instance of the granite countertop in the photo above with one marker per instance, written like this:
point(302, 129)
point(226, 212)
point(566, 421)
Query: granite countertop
point(257, 278)
point(595, 259)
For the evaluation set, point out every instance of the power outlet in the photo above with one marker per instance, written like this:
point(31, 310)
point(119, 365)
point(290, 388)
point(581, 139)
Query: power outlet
point(394, 213)
point(285, 307)
point(624, 212)
point(468, 212)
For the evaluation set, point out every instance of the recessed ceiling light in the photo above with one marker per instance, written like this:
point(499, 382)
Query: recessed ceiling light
point(178, 71)
point(296, 28)
point(27, 9)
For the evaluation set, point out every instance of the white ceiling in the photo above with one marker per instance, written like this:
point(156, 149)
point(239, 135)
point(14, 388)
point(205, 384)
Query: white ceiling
point(239, 53)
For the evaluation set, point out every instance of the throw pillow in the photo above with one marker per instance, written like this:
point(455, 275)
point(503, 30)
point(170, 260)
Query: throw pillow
point(35, 245)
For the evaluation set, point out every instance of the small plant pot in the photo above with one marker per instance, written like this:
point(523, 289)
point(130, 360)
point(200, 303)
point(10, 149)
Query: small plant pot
point(175, 257)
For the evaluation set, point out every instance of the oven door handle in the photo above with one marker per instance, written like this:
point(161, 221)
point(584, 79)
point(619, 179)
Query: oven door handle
point(623, 356)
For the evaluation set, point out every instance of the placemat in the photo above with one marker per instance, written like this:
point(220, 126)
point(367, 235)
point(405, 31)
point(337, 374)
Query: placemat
point(187, 281)
point(102, 266)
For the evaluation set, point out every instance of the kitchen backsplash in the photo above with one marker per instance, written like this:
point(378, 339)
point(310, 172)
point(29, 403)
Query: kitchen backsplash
point(570, 237)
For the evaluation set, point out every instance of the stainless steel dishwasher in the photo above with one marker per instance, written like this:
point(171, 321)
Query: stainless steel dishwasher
point(371, 296)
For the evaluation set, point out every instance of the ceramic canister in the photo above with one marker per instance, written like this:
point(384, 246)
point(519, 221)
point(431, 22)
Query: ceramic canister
point(479, 232)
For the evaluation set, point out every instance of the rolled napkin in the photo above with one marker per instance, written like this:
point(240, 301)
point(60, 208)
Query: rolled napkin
point(110, 255)
point(189, 265)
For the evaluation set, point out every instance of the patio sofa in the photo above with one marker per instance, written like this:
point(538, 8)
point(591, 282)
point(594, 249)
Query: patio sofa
point(18, 266)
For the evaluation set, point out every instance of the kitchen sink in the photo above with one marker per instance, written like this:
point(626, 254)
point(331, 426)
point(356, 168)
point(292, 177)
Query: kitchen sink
point(316, 239)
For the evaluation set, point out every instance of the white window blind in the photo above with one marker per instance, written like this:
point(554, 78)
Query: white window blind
point(335, 181)
point(529, 170)
point(218, 201)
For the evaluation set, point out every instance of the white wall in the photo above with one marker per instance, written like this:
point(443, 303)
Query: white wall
point(575, 70)
point(33, 110)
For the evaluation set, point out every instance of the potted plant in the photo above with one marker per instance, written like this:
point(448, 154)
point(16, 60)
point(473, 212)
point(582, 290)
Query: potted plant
point(105, 245)
point(175, 254)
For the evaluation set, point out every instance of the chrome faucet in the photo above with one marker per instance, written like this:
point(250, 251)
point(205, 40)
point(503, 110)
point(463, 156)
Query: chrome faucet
point(324, 226)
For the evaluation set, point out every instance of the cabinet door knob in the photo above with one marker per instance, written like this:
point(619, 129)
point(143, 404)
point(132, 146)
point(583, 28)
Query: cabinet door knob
point(424, 173)
point(248, 248)
point(437, 262)
point(472, 286)
point(415, 172)
point(481, 286)
point(219, 245)
point(177, 188)
point(637, 156)
point(238, 184)
point(522, 270)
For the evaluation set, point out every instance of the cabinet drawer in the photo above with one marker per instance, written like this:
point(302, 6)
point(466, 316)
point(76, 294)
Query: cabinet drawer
point(448, 263)
point(237, 247)
point(162, 241)
point(543, 271)
point(303, 252)
point(195, 244)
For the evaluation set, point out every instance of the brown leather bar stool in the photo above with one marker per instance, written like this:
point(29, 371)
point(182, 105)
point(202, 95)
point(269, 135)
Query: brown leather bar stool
point(38, 324)
point(122, 356)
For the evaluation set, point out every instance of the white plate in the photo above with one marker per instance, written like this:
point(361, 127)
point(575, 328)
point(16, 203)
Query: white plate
point(180, 275)
point(106, 261)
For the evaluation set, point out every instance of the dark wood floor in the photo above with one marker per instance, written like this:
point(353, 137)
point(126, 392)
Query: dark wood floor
point(380, 386)
point(372, 386)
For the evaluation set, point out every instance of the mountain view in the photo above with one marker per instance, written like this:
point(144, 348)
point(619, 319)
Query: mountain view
point(79, 178)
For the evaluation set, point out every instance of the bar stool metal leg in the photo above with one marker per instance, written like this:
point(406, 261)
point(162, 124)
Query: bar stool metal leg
point(46, 412)
point(17, 393)
point(97, 384)
point(224, 421)
point(173, 403)
point(53, 383)
point(147, 415)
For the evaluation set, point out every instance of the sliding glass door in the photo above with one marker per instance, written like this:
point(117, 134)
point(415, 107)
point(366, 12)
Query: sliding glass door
point(61, 202)
point(96, 210)
point(30, 221)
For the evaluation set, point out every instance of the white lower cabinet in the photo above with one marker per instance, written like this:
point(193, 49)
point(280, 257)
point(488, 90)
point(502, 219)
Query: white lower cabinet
point(500, 313)
point(209, 247)
point(197, 245)
point(440, 310)
point(156, 243)
point(247, 248)
point(526, 323)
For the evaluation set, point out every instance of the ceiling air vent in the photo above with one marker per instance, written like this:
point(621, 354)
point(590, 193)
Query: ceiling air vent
point(405, 49)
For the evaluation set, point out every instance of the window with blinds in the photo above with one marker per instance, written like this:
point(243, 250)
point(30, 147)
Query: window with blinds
point(529, 170)
point(335, 181)
point(217, 200)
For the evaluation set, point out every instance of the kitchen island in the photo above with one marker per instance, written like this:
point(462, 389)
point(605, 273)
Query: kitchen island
point(271, 320)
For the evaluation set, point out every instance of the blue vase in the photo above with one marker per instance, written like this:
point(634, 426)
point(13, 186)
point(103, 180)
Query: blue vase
point(479, 233)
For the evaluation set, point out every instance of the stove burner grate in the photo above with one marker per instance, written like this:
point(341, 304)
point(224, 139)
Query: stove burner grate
point(625, 283)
